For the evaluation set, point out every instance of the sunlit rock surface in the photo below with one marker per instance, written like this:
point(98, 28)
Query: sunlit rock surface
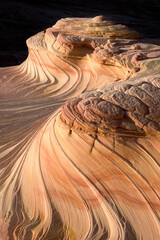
point(80, 132)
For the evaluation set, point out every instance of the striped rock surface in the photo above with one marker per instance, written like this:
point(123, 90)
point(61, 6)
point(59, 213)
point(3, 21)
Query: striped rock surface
point(80, 136)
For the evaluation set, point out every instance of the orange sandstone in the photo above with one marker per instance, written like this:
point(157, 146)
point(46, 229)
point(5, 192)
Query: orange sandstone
point(80, 135)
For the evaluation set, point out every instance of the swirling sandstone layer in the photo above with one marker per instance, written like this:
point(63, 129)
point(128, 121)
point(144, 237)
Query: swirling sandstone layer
point(90, 169)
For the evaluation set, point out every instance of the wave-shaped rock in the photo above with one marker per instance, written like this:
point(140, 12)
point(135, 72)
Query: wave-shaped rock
point(90, 169)
point(65, 52)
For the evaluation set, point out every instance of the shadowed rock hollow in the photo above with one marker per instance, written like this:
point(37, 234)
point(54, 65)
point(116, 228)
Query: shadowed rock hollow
point(80, 132)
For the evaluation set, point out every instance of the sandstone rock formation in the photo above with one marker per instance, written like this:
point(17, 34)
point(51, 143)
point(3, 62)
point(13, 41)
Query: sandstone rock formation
point(80, 132)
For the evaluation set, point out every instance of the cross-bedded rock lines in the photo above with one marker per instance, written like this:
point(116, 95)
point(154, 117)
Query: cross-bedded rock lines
point(79, 136)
